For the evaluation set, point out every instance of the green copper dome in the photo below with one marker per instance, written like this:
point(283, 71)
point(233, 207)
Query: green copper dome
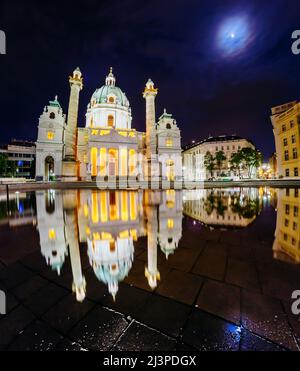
point(103, 94)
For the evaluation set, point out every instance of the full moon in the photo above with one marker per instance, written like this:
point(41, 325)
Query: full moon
point(233, 36)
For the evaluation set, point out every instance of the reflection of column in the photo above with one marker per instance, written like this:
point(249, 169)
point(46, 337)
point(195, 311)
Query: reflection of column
point(79, 284)
point(151, 271)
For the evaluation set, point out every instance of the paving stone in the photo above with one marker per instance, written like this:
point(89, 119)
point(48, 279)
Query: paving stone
point(13, 323)
point(34, 261)
point(253, 343)
point(66, 313)
point(95, 290)
point(181, 286)
point(69, 346)
point(211, 264)
point(36, 337)
point(129, 300)
point(242, 273)
point(220, 299)
point(164, 314)
point(14, 275)
point(139, 338)
point(209, 333)
point(44, 299)
point(184, 259)
point(264, 316)
point(136, 276)
point(31, 286)
point(99, 330)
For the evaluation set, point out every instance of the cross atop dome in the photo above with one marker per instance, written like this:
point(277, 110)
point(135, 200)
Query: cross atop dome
point(110, 79)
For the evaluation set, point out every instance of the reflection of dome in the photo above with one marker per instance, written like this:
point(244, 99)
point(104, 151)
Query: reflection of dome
point(111, 260)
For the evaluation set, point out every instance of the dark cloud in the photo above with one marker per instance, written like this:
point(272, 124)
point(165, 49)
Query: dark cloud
point(173, 42)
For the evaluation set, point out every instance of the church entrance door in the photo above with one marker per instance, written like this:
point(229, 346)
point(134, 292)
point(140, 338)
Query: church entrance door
point(49, 169)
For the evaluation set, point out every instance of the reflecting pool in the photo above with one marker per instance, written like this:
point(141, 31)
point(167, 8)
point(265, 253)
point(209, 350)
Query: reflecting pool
point(210, 269)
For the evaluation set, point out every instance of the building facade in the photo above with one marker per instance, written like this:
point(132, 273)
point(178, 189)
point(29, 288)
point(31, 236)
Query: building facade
point(108, 146)
point(21, 159)
point(286, 128)
point(194, 157)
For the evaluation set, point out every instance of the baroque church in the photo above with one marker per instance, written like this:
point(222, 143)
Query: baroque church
point(107, 146)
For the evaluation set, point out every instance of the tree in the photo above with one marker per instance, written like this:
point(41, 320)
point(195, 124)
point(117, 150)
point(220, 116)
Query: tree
point(220, 158)
point(209, 163)
point(3, 164)
point(251, 158)
point(236, 162)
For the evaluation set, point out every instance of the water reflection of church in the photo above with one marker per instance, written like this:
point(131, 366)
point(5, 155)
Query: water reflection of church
point(109, 223)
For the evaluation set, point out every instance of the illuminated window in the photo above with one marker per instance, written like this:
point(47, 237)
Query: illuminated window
point(102, 167)
point(111, 100)
point(94, 153)
point(123, 154)
point(132, 162)
point(110, 121)
point(169, 142)
point(51, 234)
point(170, 223)
point(112, 246)
point(92, 122)
point(50, 135)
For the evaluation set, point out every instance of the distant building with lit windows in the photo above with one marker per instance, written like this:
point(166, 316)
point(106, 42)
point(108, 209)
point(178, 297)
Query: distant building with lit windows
point(194, 157)
point(107, 146)
point(286, 127)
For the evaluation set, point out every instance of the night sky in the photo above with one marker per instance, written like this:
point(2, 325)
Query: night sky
point(219, 65)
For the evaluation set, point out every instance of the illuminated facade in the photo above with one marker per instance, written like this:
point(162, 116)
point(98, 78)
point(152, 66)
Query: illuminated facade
point(108, 146)
point(107, 224)
point(286, 245)
point(194, 158)
point(286, 129)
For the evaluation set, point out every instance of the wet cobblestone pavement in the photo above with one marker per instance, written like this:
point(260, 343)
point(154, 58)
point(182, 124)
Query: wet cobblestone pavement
point(220, 289)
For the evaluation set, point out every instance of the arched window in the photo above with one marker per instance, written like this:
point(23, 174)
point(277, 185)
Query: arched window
point(110, 121)
point(52, 115)
point(111, 100)
point(168, 126)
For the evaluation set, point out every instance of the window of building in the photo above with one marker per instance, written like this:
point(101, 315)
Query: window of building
point(296, 211)
point(110, 121)
point(285, 142)
point(217, 148)
point(293, 241)
point(111, 100)
point(233, 147)
point(296, 192)
point(286, 155)
point(296, 171)
point(285, 237)
point(168, 126)
point(292, 123)
point(228, 148)
point(295, 153)
point(287, 192)
point(287, 172)
point(50, 135)
point(287, 209)
point(52, 115)
point(283, 127)
point(294, 139)
point(286, 222)
point(169, 142)
point(295, 226)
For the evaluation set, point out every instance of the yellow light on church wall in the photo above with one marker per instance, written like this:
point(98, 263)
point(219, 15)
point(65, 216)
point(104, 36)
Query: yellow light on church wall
point(170, 223)
point(103, 160)
point(133, 205)
point(123, 154)
point(124, 206)
point(103, 206)
point(95, 210)
point(132, 162)
point(169, 142)
point(50, 135)
point(94, 153)
point(51, 234)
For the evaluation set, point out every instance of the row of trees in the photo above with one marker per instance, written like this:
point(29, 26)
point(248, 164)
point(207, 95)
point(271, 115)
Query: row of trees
point(247, 159)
